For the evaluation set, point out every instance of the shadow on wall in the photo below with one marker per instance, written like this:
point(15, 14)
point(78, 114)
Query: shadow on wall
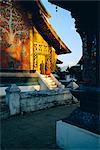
point(9, 64)
point(7, 59)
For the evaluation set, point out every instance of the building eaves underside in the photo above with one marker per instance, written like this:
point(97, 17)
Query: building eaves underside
point(43, 27)
point(85, 13)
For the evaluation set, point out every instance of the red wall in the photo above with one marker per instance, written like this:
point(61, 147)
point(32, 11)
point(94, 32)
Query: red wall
point(14, 36)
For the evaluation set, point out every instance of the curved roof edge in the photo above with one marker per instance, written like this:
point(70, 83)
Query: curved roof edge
point(42, 8)
point(48, 33)
point(40, 20)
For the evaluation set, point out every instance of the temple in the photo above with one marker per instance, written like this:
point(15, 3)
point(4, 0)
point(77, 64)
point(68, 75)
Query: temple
point(28, 41)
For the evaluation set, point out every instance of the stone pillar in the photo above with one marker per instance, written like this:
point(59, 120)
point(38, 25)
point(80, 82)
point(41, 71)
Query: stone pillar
point(87, 115)
point(89, 58)
point(31, 40)
point(13, 99)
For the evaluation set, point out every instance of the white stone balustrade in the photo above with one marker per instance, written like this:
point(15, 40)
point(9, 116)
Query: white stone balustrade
point(13, 99)
point(19, 102)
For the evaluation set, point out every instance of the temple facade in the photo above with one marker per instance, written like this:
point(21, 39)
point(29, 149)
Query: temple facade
point(28, 41)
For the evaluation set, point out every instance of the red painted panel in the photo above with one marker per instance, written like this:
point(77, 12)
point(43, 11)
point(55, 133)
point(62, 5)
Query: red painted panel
point(14, 36)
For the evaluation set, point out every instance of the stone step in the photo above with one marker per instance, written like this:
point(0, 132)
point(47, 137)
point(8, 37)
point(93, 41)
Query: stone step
point(49, 79)
point(53, 86)
point(52, 83)
point(44, 76)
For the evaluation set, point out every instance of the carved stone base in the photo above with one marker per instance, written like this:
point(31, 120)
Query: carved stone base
point(85, 120)
point(89, 98)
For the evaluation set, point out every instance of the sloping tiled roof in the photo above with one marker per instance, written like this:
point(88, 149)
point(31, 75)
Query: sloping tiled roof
point(48, 33)
point(39, 18)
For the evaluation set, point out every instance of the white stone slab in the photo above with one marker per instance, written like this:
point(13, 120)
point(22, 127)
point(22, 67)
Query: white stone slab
point(23, 89)
point(70, 137)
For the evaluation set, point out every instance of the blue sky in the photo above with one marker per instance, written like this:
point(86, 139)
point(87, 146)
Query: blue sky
point(63, 24)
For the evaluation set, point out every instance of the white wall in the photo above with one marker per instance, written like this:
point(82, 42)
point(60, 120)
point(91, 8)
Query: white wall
point(44, 99)
point(70, 137)
point(35, 100)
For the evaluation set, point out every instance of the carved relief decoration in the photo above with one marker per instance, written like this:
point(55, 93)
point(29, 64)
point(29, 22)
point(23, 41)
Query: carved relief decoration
point(14, 36)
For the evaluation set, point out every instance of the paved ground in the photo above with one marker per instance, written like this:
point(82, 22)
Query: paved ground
point(33, 131)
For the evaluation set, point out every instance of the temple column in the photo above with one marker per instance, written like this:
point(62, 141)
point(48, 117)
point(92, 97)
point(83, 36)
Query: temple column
point(31, 44)
point(87, 115)
point(31, 49)
point(97, 59)
point(89, 58)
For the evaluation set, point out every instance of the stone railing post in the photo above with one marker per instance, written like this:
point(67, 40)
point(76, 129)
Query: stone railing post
point(13, 99)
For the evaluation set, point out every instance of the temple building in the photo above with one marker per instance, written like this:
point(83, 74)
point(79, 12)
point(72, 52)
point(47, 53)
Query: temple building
point(28, 41)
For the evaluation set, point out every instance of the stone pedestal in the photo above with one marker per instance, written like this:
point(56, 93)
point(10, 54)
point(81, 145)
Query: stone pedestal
point(13, 99)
